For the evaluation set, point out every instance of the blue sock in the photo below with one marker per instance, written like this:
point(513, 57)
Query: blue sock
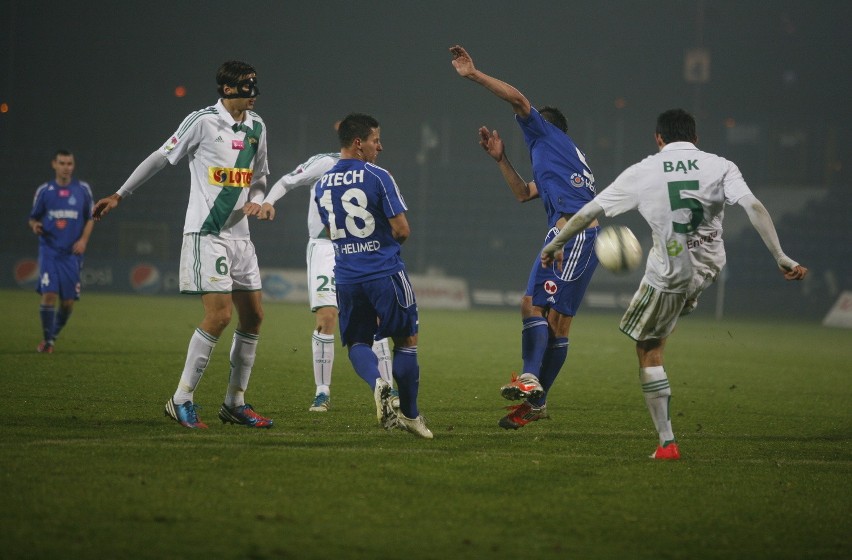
point(48, 319)
point(533, 344)
point(406, 371)
point(61, 319)
point(554, 358)
point(365, 362)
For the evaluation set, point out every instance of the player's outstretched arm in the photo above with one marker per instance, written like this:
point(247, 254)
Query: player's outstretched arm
point(149, 167)
point(493, 146)
point(552, 252)
point(492, 143)
point(105, 205)
point(463, 63)
point(762, 222)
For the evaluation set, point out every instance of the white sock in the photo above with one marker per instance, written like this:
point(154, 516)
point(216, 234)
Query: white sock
point(243, 351)
point(323, 349)
point(382, 350)
point(201, 346)
point(658, 393)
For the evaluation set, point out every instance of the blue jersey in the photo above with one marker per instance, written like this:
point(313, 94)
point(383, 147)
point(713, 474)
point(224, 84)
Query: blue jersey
point(564, 181)
point(63, 212)
point(355, 201)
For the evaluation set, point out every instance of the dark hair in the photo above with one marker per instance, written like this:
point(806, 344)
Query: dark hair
point(230, 73)
point(61, 153)
point(676, 125)
point(555, 117)
point(355, 125)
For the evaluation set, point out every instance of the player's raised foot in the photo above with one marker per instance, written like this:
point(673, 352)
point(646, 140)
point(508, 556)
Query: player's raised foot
point(45, 347)
point(184, 414)
point(522, 414)
point(385, 413)
point(524, 387)
point(244, 416)
point(666, 452)
point(416, 426)
point(322, 402)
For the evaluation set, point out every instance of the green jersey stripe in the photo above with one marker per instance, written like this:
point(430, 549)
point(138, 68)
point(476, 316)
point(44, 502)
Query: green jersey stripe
point(192, 119)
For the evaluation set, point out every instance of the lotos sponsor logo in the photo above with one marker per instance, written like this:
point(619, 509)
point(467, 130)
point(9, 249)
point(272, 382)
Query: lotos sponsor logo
point(229, 176)
point(26, 273)
point(145, 279)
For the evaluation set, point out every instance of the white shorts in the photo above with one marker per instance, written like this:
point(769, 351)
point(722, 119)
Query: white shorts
point(212, 264)
point(652, 313)
point(320, 259)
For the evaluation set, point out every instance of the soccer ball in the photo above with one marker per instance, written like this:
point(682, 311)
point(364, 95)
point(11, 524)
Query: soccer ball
point(618, 249)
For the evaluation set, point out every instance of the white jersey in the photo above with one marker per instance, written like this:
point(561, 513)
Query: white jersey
point(306, 174)
point(681, 192)
point(225, 159)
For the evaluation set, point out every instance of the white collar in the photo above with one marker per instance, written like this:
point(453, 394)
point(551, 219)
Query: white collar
point(678, 146)
point(226, 116)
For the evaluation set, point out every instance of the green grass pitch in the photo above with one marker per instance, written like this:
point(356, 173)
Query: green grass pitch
point(91, 468)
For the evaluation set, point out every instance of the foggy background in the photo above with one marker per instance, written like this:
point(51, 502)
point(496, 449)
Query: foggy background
point(769, 83)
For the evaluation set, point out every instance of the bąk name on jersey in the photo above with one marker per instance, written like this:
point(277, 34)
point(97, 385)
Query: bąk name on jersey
point(669, 166)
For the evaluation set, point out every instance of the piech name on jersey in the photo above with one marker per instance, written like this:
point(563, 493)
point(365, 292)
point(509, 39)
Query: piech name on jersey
point(345, 178)
point(229, 176)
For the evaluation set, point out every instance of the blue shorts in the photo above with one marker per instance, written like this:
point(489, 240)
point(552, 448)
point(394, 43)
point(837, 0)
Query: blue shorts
point(59, 274)
point(563, 290)
point(377, 309)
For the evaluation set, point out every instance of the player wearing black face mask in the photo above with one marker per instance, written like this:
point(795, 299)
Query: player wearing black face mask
point(245, 89)
point(225, 145)
point(239, 78)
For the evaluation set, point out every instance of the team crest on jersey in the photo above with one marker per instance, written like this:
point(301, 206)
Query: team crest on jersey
point(577, 180)
point(550, 287)
point(170, 145)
